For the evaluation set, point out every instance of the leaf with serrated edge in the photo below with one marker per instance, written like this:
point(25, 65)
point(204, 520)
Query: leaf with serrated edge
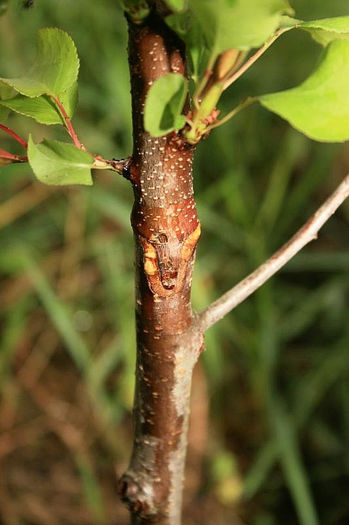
point(59, 163)
point(55, 69)
point(164, 105)
point(319, 107)
point(324, 30)
point(42, 108)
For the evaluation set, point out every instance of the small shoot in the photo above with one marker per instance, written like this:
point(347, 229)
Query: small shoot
point(48, 94)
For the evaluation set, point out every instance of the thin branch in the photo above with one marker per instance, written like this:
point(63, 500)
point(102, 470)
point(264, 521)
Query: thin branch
point(14, 135)
point(244, 104)
point(255, 57)
point(11, 157)
point(68, 124)
point(251, 283)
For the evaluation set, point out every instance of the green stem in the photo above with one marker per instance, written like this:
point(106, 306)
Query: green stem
point(198, 126)
point(255, 57)
point(244, 104)
point(202, 84)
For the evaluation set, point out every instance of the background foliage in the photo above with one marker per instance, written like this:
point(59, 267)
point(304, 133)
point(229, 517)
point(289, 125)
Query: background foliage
point(273, 383)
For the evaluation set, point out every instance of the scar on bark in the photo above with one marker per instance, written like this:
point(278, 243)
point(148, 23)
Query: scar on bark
point(164, 278)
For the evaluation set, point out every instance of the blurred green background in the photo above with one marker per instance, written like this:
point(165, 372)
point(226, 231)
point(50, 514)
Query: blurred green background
point(269, 442)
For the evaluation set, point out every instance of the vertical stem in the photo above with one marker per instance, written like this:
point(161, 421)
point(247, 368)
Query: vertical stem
point(166, 230)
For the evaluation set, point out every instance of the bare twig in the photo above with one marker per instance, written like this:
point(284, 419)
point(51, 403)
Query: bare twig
point(252, 282)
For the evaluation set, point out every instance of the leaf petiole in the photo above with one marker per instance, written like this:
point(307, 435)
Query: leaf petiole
point(11, 157)
point(14, 135)
point(68, 124)
point(244, 104)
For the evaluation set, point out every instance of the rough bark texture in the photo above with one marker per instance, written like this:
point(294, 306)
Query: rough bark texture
point(166, 230)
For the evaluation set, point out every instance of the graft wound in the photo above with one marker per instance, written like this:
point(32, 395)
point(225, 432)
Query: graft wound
point(164, 216)
point(165, 263)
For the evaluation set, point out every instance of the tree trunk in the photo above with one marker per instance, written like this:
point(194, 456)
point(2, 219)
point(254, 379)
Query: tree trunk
point(166, 230)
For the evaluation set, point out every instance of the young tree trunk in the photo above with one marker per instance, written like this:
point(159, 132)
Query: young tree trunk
point(169, 336)
point(166, 230)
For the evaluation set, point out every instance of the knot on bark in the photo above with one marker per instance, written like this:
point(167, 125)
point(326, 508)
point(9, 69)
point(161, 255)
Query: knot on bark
point(136, 497)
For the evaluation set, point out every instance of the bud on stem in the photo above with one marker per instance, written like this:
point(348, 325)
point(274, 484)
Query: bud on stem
point(225, 64)
point(210, 94)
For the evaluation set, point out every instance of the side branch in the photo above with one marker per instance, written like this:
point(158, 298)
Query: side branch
point(231, 299)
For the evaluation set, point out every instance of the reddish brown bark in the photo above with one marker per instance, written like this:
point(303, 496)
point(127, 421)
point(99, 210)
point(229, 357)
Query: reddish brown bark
point(166, 229)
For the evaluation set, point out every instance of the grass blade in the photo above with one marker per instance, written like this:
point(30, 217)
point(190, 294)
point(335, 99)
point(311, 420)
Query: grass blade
point(292, 465)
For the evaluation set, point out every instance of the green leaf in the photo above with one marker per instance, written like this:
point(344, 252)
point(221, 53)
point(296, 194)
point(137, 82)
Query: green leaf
point(188, 29)
point(59, 163)
point(137, 10)
point(328, 29)
point(5, 92)
point(319, 107)
point(55, 69)
point(164, 105)
point(210, 27)
point(324, 30)
point(42, 108)
point(177, 5)
point(238, 24)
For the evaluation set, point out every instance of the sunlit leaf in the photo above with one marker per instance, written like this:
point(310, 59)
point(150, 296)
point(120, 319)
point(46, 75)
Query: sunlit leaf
point(319, 107)
point(55, 68)
point(323, 31)
point(238, 24)
point(176, 5)
point(59, 163)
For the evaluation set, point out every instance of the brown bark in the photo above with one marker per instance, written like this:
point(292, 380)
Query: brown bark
point(166, 230)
